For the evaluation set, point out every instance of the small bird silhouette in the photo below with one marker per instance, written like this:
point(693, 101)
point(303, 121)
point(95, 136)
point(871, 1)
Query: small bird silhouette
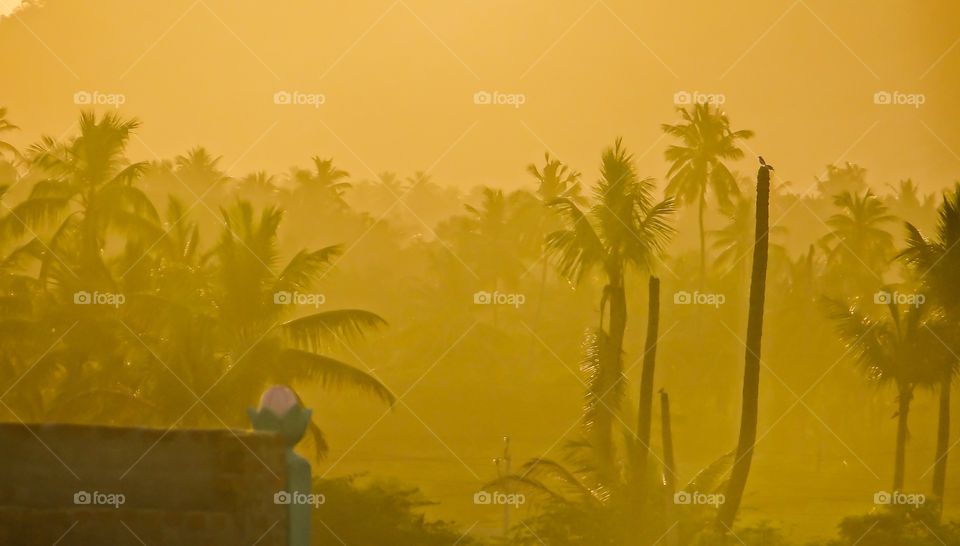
point(764, 163)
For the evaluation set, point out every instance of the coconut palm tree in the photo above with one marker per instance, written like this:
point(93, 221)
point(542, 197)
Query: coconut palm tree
point(234, 320)
point(325, 183)
point(936, 261)
point(624, 228)
point(858, 246)
point(698, 161)
point(89, 188)
point(901, 348)
point(555, 180)
point(258, 187)
point(751, 366)
point(5, 127)
point(734, 241)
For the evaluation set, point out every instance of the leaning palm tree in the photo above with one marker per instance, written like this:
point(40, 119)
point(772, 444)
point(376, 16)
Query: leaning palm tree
point(624, 228)
point(902, 349)
point(698, 162)
point(937, 263)
point(751, 366)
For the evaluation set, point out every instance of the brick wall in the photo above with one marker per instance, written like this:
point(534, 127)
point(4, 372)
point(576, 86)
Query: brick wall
point(182, 487)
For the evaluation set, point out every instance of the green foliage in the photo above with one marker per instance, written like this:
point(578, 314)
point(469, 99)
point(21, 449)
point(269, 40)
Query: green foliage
point(377, 513)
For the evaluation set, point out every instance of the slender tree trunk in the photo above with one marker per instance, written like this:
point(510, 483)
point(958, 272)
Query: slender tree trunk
point(645, 411)
point(900, 458)
point(751, 369)
point(943, 441)
point(669, 472)
point(612, 370)
point(703, 240)
point(666, 428)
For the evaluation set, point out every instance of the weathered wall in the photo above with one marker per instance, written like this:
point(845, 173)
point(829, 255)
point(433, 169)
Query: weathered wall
point(182, 487)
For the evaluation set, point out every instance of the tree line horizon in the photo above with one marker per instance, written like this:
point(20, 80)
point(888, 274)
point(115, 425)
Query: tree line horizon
point(203, 317)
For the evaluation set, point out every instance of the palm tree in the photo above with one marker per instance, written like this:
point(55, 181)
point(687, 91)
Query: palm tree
point(6, 126)
point(555, 180)
point(493, 240)
point(734, 241)
point(258, 187)
point(751, 366)
point(326, 183)
point(858, 245)
point(937, 263)
point(90, 188)
point(200, 171)
point(903, 348)
point(697, 163)
point(228, 324)
point(624, 228)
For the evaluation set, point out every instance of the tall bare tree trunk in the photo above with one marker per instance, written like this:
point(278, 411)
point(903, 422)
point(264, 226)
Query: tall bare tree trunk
point(645, 413)
point(669, 472)
point(900, 458)
point(645, 409)
point(751, 368)
point(943, 441)
point(666, 429)
point(612, 371)
point(703, 240)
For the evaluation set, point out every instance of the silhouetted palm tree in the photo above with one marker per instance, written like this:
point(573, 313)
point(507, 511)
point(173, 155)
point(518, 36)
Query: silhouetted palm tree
point(697, 163)
point(325, 183)
point(937, 263)
point(858, 245)
point(555, 180)
point(89, 188)
point(231, 322)
point(902, 348)
point(5, 127)
point(624, 228)
point(200, 171)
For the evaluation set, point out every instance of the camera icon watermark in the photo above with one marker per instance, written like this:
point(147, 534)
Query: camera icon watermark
point(284, 297)
point(499, 499)
point(687, 98)
point(296, 98)
point(898, 498)
point(897, 98)
point(298, 498)
point(698, 298)
point(96, 98)
point(884, 297)
point(698, 498)
point(497, 298)
point(83, 297)
point(98, 498)
point(497, 98)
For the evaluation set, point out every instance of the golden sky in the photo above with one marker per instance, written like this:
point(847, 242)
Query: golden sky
point(398, 80)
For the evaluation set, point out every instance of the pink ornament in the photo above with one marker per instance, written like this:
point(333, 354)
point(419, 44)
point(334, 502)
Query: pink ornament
point(279, 399)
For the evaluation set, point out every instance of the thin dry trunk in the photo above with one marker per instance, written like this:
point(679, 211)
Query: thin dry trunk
point(751, 369)
point(669, 472)
point(943, 442)
point(900, 458)
point(645, 411)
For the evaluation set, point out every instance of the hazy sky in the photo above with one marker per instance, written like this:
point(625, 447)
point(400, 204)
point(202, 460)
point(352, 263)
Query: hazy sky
point(7, 6)
point(398, 80)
